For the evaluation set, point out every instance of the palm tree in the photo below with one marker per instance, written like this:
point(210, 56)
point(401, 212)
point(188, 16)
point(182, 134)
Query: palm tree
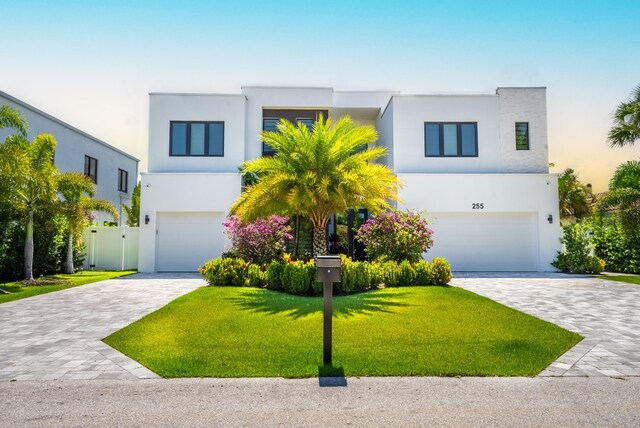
point(28, 182)
point(12, 118)
point(575, 198)
point(626, 129)
point(77, 206)
point(133, 212)
point(316, 174)
point(624, 196)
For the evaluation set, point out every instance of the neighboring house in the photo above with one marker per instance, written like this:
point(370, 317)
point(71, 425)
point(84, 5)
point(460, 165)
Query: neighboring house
point(477, 165)
point(113, 171)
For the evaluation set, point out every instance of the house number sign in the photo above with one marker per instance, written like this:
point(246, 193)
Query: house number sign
point(477, 206)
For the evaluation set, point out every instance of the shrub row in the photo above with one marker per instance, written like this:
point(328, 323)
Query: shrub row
point(298, 277)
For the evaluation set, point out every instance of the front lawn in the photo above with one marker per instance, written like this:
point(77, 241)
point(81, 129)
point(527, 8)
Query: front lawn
point(21, 291)
point(631, 279)
point(426, 331)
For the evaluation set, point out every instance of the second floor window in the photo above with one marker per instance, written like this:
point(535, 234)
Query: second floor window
point(522, 136)
point(91, 168)
point(451, 139)
point(196, 139)
point(123, 178)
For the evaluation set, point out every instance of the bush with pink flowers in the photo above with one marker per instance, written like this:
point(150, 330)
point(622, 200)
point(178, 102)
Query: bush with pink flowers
point(396, 235)
point(259, 241)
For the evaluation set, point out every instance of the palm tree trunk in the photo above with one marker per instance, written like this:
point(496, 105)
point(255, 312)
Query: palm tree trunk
point(319, 241)
point(68, 263)
point(28, 249)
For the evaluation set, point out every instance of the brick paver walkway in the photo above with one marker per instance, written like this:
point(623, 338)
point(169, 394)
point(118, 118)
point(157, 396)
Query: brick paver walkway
point(58, 335)
point(606, 313)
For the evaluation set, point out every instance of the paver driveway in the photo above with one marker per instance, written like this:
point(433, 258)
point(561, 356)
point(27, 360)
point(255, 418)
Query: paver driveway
point(58, 335)
point(606, 313)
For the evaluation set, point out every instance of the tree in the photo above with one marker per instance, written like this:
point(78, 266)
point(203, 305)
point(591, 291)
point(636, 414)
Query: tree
point(12, 118)
point(28, 178)
point(624, 196)
point(575, 198)
point(133, 212)
point(316, 174)
point(626, 119)
point(77, 206)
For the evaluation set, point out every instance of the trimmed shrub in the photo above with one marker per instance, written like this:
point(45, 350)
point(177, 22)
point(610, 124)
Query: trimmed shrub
point(440, 271)
point(620, 251)
point(356, 277)
point(422, 273)
point(223, 272)
point(396, 235)
point(297, 278)
point(274, 275)
point(256, 277)
point(577, 256)
point(406, 274)
point(385, 274)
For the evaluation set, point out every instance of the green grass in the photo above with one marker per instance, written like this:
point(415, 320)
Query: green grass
point(20, 291)
point(631, 279)
point(245, 332)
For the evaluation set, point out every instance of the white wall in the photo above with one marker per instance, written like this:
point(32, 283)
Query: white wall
point(385, 135)
point(180, 192)
point(524, 105)
point(499, 193)
point(412, 111)
point(163, 108)
point(272, 97)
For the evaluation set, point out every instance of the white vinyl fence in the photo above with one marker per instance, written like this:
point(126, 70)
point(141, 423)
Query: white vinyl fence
point(111, 248)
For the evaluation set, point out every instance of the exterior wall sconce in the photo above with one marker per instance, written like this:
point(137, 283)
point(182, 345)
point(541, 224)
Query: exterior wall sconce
point(146, 218)
point(550, 219)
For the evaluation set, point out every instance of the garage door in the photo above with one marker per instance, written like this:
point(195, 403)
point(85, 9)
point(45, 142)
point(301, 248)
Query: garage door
point(188, 239)
point(486, 241)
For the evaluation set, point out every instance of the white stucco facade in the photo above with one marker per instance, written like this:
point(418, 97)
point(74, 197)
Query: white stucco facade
point(508, 193)
point(73, 146)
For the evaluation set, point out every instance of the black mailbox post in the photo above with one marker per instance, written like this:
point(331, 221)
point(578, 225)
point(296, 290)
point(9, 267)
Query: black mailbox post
point(328, 272)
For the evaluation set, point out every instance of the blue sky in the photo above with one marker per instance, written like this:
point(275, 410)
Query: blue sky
point(93, 63)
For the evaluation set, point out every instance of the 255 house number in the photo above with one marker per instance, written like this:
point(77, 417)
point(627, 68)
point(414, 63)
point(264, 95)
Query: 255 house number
point(477, 206)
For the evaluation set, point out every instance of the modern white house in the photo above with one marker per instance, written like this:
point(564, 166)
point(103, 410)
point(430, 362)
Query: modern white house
point(475, 165)
point(113, 171)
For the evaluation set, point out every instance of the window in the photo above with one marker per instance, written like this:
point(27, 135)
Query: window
point(522, 135)
point(123, 178)
point(306, 121)
point(91, 168)
point(271, 125)
point(449, 139)
point(196, 139)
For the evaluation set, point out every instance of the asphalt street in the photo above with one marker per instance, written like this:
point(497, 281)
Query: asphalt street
point(521, 402)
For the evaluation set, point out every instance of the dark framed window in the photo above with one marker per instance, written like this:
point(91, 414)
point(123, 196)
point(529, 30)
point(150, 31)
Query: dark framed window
point(91, 168)
point(123, 179)
point(522, 135)
point(271, 118)
point(269, 124)
point(196, 138)
point(451, 139)
point(306, 121)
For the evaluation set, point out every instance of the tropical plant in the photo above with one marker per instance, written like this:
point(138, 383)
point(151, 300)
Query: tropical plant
point(78, 206)
point(577, 256)
point(626, 119)
point(259, 241)
point(13, 118)
point(574, 198)
point(316, 174)
point(396, 235)
point(624, 197)
point(132, 213)
point(28, 178)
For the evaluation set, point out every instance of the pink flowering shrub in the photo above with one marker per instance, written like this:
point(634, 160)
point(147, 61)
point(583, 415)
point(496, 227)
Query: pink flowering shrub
point(396, 235)
point(259, 241)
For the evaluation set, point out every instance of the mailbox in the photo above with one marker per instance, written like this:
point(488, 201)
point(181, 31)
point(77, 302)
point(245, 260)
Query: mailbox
point(328, 268)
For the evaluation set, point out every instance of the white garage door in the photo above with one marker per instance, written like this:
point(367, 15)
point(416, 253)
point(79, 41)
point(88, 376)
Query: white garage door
point(486, 241)
point(188, 239)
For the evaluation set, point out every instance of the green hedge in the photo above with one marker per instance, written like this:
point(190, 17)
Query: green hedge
point(298, 277)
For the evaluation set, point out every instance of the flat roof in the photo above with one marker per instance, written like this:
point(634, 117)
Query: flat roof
point(66, 125)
